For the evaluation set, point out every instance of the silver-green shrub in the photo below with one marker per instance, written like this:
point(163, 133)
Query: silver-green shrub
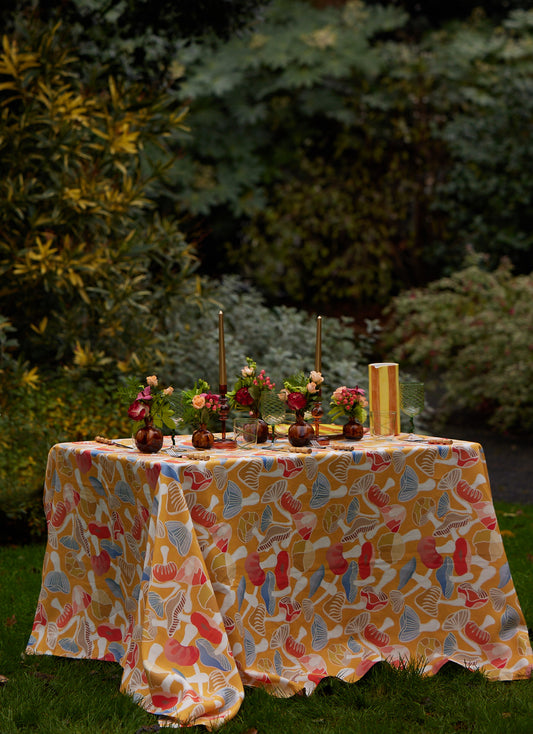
point(471, 334)
point(281, 339)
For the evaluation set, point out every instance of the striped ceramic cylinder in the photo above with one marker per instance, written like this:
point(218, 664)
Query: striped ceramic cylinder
point(384, 388)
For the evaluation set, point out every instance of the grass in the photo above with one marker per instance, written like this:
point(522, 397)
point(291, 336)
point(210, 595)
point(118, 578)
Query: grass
point(47, 695)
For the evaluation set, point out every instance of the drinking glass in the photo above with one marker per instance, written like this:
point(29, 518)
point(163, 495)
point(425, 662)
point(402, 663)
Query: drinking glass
point(245, 430)
point(382, 423)
point(273, 410)
point(412, 400)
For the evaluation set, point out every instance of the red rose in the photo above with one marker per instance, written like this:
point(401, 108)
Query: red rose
point(296, 400)
point(243, 397)
point(137, 410)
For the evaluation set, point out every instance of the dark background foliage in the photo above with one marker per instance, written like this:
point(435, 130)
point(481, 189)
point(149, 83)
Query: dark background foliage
point(327, 156)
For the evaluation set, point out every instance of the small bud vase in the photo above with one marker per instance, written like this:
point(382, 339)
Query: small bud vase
point(148, 438)
point(353, 430)
point(202, 438)
point(300, 433)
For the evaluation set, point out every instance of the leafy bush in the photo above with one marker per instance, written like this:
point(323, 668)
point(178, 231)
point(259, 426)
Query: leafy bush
point(35, 415)
point(485, 194)
point(344, 153)
point(471, 335)
point(80, 241)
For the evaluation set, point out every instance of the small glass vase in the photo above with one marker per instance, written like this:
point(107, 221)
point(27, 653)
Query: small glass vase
point(261, 428)
point(202, 438)
point(353, 430)
point(300, 433)
point(148, 438)
point(250, 429)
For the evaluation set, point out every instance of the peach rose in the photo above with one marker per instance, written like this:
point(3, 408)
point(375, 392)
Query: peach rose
point(198, 401)
point(316, 377)
point(151, 380)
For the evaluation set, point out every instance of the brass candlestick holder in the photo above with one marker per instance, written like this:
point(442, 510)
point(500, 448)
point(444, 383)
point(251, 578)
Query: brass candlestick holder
point(317, 412)
point(223, 442)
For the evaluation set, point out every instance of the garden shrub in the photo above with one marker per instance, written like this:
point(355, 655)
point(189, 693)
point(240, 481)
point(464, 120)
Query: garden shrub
point(470, 335)
point(82, 244)
point(35, 414)
point(353, 163)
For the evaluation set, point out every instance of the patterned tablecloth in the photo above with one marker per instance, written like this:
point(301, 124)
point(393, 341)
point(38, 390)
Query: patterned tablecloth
point(259, 567)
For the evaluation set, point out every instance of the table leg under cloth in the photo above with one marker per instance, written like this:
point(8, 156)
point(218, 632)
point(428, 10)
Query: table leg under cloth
point(259, 568)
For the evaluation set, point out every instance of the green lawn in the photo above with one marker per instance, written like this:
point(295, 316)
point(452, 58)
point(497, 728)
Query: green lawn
point(47, 695)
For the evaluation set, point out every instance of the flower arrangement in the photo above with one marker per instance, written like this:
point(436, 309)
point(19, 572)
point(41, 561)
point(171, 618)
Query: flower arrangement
point(249, 389)
point(350, 401)
point(199, 405)
point(151, 404)
point(300, 393)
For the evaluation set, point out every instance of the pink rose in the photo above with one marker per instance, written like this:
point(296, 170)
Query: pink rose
point(243, 397)
point(296, 401)
point(137, 410)
point(145, 394)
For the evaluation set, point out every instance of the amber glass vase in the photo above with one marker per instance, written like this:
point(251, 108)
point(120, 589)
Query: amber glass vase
point(148, 438)
point(300, 433)
point(353, 430)
point(202, 438)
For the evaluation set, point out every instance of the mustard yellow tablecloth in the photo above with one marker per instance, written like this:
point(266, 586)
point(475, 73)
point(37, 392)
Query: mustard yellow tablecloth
point(268, 568)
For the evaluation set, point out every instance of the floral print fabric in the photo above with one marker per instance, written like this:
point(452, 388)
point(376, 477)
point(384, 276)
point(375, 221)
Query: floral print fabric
point(259, 567)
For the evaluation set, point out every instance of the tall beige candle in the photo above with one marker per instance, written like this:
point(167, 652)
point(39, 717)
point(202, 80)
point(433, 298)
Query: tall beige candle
point(223, 380)
point(318, 347)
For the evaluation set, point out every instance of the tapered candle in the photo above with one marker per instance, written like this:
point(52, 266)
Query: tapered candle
point(318, 348)
point(221, 351)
